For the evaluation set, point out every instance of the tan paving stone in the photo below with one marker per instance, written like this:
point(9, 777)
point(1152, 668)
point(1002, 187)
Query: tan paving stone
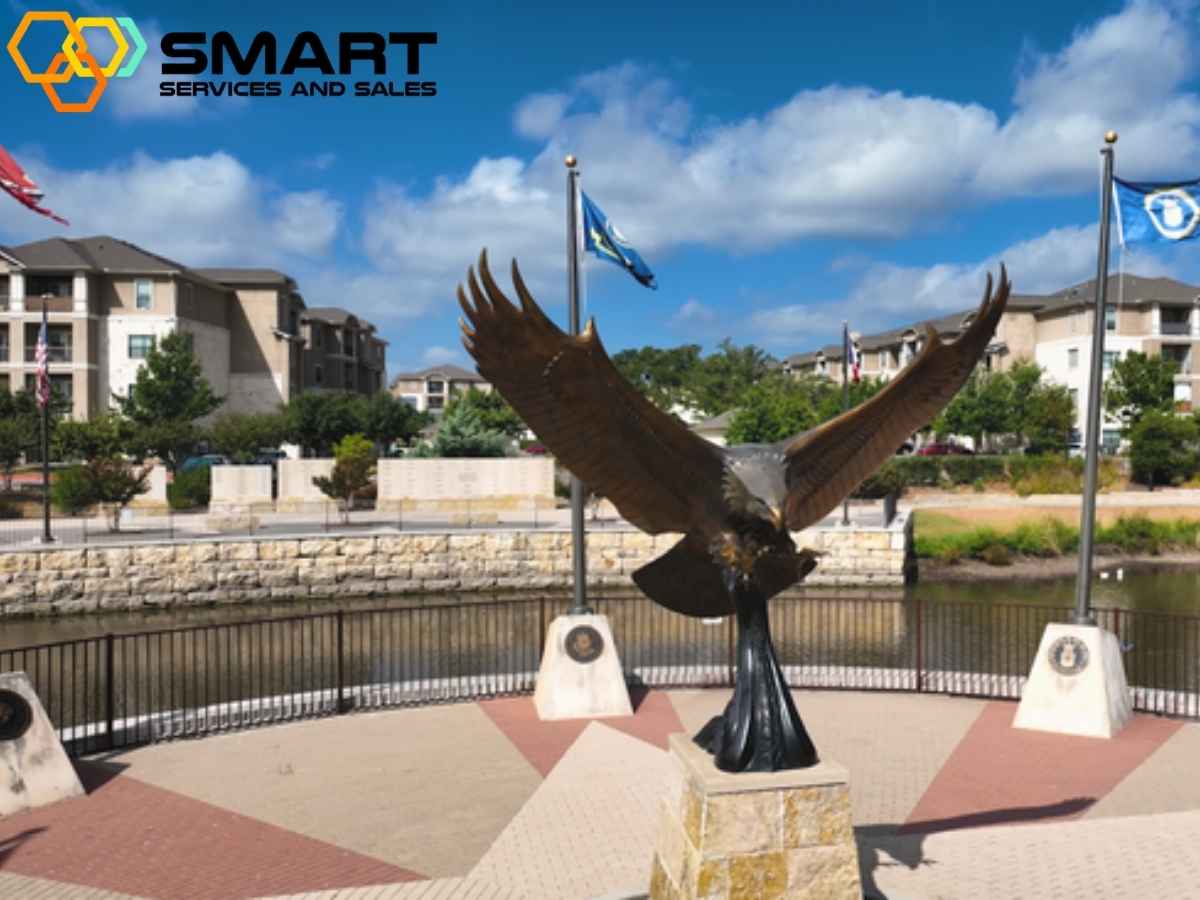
point(427, 789)
point(1169, 781)
point(22, 887)
point(590, 828)
point(439, 889)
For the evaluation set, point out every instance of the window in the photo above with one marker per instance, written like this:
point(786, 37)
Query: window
point(318, 375)
point(1110, 319)
point(144, 289)
point(140, 345)
point(1110, 358)
point(54, 285)
point(437, 402)
point(295, 323)
point(1075, 399)
point(435, 387)
point(316, 331)
point(1073, 358)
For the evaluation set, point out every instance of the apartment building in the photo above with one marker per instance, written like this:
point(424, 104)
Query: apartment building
point(343, 352)
point(430, 389)
point(1150, 315)
point(109, 301)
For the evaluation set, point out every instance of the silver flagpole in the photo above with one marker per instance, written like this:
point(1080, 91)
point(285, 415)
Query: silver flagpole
point(1083, 582)
point(846, 401)
point(579, 601)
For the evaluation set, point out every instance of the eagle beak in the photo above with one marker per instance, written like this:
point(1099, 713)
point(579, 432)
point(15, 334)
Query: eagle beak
point(778, 518)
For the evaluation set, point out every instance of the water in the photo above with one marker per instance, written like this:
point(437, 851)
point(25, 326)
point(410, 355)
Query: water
point(1148, 589)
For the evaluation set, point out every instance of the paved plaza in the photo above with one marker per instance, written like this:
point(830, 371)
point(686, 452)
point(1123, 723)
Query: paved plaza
point(481, 801)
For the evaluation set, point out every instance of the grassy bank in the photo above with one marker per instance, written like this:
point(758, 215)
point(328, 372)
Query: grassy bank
point(947, 539)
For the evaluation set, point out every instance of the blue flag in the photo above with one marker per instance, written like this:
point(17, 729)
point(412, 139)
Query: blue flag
point(1157, 212)
point(601, 237)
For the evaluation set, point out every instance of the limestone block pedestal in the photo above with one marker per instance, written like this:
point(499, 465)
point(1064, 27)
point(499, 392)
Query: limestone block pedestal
point(1076, 684)
point(34, 769)
point(785, 835)
point(580, 675)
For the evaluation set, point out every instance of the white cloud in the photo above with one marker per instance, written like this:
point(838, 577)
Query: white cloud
point(320, 161)
point(539, 115)
point(138, 97)
point(434, 356)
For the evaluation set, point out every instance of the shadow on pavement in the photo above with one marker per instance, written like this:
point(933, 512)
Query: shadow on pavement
point(9, 846)
point(96, 772)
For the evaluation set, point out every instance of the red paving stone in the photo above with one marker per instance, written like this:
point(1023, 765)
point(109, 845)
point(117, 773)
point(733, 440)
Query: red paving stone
point(135, 838)
point(999, 774)
point(544, 743)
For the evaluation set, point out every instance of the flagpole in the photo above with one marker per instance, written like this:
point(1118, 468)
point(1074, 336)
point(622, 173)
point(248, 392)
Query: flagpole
point(1083, 583)
point(845, 401)
point(579, 553)
point(47, 538)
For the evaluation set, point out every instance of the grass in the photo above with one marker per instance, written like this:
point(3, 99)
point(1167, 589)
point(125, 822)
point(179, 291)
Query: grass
point(949, 538)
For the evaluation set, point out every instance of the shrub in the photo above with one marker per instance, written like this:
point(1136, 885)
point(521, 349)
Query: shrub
point(996, 555)
point(191, 488)
point(969, 469)
point(918, 471)
point(1163, 449)
point(10, 510)
point(887, 480)
point(71, 491)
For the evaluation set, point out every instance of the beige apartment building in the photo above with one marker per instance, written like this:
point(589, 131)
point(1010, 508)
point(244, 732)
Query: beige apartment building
point(343, 352)
point(109, 301)
point(430, 389)
point(1149, 315)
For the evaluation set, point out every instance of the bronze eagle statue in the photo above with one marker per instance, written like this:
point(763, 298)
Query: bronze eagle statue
point(736, 507)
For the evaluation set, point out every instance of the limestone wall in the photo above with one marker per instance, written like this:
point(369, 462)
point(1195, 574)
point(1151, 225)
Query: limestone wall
point(250, 570)
point(241, 487)
point(447, 484)
point(297, 493)
point(155, 499)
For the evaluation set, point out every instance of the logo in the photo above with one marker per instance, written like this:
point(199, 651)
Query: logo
point(1173, 212)
point(74, 59)
point(1068, 655)
point(584, 644)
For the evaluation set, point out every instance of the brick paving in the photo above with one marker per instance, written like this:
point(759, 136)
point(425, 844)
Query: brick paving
point(484, 802)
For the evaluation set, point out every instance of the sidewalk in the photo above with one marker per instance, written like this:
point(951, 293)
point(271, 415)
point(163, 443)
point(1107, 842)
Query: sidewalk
point(481, 801)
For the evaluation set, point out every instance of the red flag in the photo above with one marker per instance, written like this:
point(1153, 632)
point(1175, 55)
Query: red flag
point(22, 188)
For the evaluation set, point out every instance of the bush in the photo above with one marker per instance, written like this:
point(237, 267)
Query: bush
point(191, 488)
point(918, 471)
point(1163, 449)
point(970, 469)
point(887, 480)
point(996, 555)
point(72, 491)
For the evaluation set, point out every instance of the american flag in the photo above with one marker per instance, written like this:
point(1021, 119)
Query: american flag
point(853, 360)
point(42, 359)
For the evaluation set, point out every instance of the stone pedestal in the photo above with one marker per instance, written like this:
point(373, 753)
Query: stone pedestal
point(1076, 684)
point(34, 769)
point(580, 676)
point(784, 835)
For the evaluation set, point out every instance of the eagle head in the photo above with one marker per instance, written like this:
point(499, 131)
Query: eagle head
point(755, 486)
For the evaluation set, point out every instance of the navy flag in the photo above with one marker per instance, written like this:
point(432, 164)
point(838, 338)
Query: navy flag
point(601, 237)
point(1157, 212)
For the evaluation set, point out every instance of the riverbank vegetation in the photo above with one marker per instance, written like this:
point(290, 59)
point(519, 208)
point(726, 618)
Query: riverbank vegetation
point(948, 539)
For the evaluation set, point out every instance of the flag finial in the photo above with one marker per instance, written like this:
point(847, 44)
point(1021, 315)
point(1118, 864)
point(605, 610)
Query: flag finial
point(570, 160)
point(1110, 137)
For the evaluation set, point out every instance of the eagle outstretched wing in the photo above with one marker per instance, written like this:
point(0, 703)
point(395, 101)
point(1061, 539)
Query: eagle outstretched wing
point(827, 463)
point(658, 473)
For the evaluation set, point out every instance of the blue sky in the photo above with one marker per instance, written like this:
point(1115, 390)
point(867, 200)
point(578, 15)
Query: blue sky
point(780, 169)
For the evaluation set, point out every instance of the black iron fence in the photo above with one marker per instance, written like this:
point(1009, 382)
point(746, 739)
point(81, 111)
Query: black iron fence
point(121, 690)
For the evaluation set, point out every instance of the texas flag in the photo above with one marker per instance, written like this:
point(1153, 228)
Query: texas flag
point(853, 358)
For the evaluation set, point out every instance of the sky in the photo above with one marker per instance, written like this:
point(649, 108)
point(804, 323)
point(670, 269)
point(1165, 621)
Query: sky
point(781, 167)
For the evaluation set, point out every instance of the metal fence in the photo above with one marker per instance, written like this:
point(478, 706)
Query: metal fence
point(122, 690)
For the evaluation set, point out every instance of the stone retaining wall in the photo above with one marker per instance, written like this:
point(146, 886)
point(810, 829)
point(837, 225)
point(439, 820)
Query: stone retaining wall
point(256, 570)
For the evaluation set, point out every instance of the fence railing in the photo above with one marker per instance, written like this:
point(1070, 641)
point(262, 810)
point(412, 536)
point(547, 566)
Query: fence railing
point(122, 690)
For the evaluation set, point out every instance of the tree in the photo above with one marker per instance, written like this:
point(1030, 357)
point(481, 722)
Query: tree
point(169, 393)
point(723, 377)
point(984, 405)
point(353, 472)
point(241, 436)
point(106, 476)
point(829, 396)
point(318, 420)
point(389, 419)
point(775, 408)
point(16, 437)
point(463, 434)
point(21, 427)
point(1139, 384)
point(1045, 417)
point(494, 412)
point(666, 376)
point(1163, 448)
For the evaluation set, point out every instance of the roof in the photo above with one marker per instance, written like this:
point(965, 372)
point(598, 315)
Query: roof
point(101, 253)
point(235, 275)
point(334, 315)
point(446, 371)
point(716, 423)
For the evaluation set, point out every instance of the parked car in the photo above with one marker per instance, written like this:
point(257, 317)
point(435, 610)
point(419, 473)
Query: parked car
point(945, 448)
point(905, 448)
point(269, 457)
point(208, 459)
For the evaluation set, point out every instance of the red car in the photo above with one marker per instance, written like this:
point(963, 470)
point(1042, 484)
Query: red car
point(945, 449)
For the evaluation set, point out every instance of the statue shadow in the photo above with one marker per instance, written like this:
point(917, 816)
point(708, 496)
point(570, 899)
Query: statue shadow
point(886, 846)
point(97, 771)
point(9, 846)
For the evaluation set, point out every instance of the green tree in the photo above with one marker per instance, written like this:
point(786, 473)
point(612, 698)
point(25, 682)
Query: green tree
point(1163, 448)
point(984, 405)
point(168, 395)
point(241, 436)
point(21, 427)
point(775, 408)
point(1139, 384)
point(1045, 417)
point(494, 412)
point(666, 376)
point(388, 419)
point(462, 433)
point(106, 476)
point(316, 420)
point(16, 437)
point(829, 396)
point(353, 472)
point(724, 376)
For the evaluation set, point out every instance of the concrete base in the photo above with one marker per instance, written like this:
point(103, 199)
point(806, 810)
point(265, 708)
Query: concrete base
point(571, 689)
point(34, 769)
point(1077, 684)
point(723, 835)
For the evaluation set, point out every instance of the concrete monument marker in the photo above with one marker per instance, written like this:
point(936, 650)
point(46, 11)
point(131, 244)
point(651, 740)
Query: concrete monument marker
point(580, 675)
point(34, 769)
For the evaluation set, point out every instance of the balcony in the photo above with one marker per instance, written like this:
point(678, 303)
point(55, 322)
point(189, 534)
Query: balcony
point(1176, 328)
point(3, 352)
point(55, 354)
point(4, 303)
